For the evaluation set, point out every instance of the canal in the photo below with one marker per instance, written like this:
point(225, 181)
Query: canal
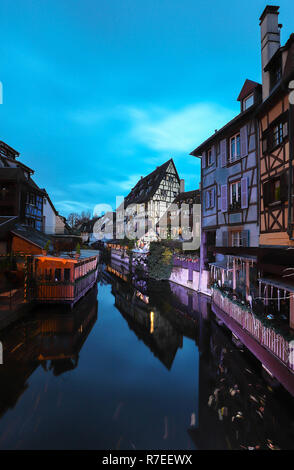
point(135, 366)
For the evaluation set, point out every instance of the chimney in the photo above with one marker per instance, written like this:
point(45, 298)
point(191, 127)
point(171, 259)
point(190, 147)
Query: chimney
point(270, 42)
point(182, 186)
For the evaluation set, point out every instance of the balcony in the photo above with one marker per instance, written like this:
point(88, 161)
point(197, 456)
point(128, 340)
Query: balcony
point(270, 334)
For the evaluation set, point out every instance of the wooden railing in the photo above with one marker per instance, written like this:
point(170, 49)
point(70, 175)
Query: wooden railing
point(269, 338)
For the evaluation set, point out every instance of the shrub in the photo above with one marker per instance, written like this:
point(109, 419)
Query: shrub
point(159, 261)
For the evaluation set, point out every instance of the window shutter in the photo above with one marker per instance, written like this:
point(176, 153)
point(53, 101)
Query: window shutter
point(207, 199)
point(244, 193)
point(223, 153)
point(224, 198)
point(213, 197)
point(203, 160)
point(284, 186)
point(285, 129)
point(244, 141)
point(245, 237)
point(264, 144)
point(213, 154)
point(225, 238)
point(266, 193)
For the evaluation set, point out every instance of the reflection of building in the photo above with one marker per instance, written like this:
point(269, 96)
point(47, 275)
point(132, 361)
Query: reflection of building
point(53, 340)
point(231, 396)
point(148, 324)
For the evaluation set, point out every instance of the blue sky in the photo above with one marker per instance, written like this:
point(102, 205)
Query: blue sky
point(97, 93)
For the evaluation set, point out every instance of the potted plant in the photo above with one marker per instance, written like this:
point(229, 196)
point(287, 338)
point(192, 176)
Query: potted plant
point(46, 248)
point(78, 251)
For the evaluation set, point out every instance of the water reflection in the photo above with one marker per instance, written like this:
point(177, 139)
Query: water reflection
point(49, 339)
point(156, 372)
point(237, 408)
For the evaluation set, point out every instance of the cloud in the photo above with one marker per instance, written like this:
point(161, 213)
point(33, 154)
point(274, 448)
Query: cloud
point(176, 131)
point(125, 184)
point(67, 206)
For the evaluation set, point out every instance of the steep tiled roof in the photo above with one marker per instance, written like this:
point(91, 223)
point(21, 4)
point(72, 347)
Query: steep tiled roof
point(147, 186)
point(188, 195)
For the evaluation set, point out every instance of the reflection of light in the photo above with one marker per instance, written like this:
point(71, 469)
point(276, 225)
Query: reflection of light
point(151, 322)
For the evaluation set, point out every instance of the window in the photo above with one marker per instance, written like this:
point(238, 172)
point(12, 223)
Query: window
point(57, 276)
point(235, 195)
point(275, 190)
point(278, 135)
point(237, 239)
point(247, 102)
point(210, 198)
point(209, 158)
point(235, 147)
point(276, 73)
point(275, 135)
point(67, 274)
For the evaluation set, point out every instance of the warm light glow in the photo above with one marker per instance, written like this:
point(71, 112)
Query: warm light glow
point(151, 322)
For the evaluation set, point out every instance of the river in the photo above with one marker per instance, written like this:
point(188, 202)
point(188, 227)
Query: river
point(143, 366)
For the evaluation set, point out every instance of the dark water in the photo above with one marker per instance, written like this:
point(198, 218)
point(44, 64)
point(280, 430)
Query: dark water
point(145, 367)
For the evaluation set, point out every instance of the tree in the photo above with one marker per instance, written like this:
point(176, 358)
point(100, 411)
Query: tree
point(159, 261)
point(72, 219)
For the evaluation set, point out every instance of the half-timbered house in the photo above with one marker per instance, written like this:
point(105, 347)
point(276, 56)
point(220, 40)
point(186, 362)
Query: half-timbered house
point(19, 194)
point(148, 201)
point(276, 133)
point(229, 193)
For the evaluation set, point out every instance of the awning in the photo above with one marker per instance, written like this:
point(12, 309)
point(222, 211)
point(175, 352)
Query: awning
point(277, 283)
point(220, 265)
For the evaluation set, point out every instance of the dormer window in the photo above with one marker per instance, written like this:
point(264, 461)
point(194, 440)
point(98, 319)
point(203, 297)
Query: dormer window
point(275, 73)
point(248, 102)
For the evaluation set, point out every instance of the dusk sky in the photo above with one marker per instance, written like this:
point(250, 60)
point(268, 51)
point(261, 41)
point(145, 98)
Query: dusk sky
point(97, 93)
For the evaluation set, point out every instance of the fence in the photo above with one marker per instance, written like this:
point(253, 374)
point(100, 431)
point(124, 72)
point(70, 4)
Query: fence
point(266, 336)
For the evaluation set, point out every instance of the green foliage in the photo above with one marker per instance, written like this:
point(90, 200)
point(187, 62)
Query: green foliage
point(78, 248)
point(47, 246)
point(159, 261)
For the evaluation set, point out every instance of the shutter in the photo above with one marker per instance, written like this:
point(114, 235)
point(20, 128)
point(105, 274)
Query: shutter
point(225, 239)
point(207, 199)
point(245, 237)
point(203, 160)
point(213, 154)
point(285, 129)
point(284, 186)
point(213, 197)
point(224, 198)
point(264, 145)
point(266, 193)
point(244, 193)
point(244, 141)
point(223, 153)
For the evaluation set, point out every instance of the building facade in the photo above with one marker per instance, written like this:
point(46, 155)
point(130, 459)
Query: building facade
point(19, 194)
point(276, 138)
point(229, 189)
point(147, 202)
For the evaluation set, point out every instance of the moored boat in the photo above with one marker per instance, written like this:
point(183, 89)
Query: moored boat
point(62, 279)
